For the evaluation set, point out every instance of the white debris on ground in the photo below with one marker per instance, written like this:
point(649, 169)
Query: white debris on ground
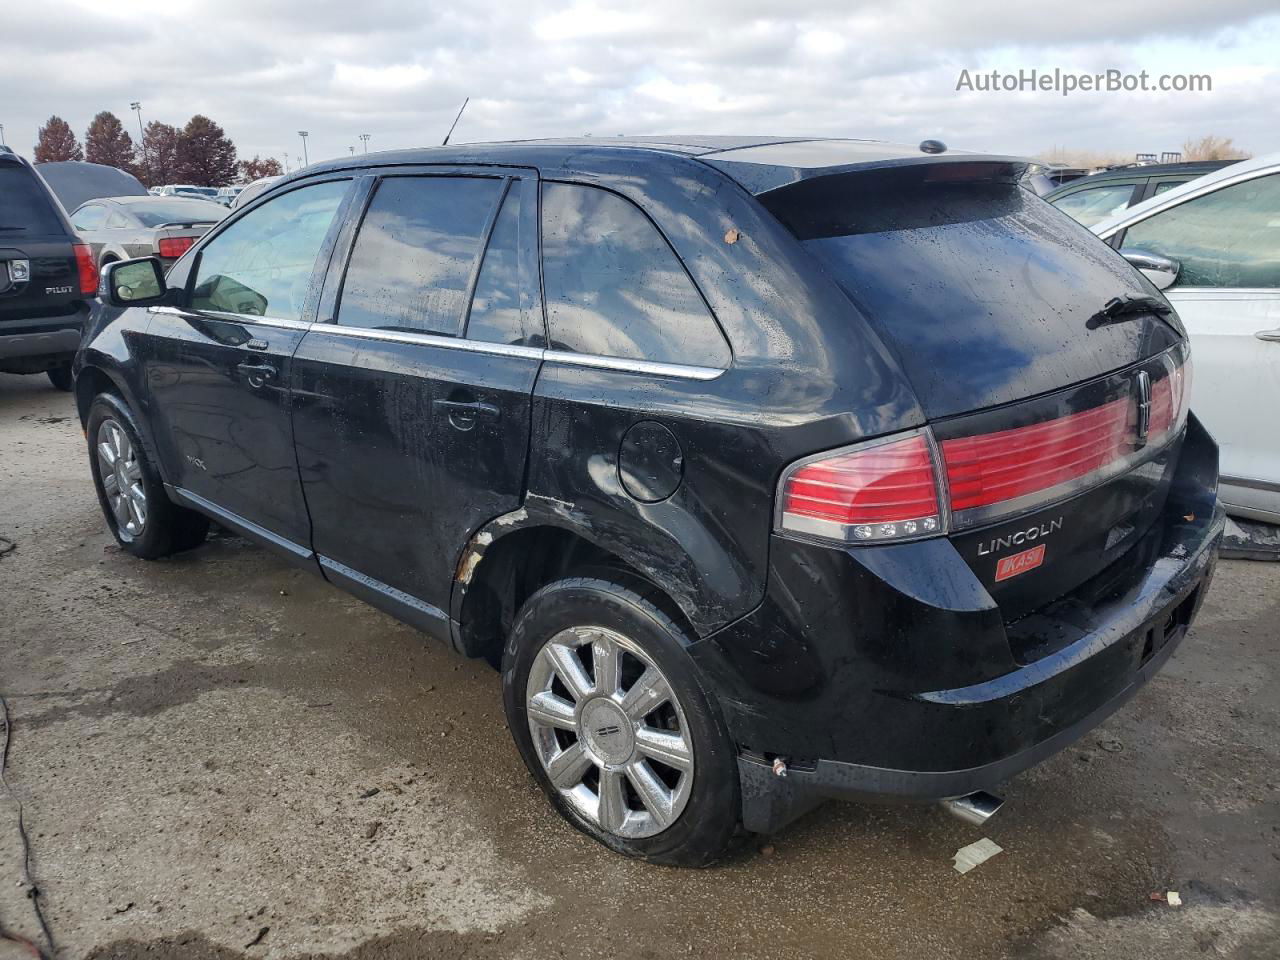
point(976, 854)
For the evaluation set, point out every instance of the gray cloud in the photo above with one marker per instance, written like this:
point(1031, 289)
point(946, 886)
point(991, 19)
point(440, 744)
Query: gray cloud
point(267, 68)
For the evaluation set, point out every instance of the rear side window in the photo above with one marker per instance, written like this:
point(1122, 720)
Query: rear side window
point(261, 265)
point(25, 206)
point(412, 262)
point(615, 288)
point(501, 310)
point(1228, 238)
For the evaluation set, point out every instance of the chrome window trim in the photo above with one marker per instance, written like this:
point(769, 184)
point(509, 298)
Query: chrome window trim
point(679, 370)
point(1250, 483)
point(429, 340)
point(651, 367)
point(235, 317)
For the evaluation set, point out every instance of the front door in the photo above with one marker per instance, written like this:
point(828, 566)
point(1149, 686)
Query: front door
point(218, 368)
point(1228, 294)
point(411, 409)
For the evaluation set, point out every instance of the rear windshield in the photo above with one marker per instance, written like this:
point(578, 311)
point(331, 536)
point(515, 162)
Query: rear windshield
point(974, 284)
point(155, 213)
point(25, 206)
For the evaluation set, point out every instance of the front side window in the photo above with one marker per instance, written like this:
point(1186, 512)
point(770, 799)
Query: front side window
point(615, 288)
point(89, 218)
point(1096, 203)
point(261, 265)
point(1228, 238)
point(411, 264)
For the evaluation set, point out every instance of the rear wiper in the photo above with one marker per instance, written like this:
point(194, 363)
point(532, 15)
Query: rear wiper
point(1122, 308)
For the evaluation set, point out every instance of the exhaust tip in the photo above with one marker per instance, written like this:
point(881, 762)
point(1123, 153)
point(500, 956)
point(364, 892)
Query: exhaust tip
point(976, 808)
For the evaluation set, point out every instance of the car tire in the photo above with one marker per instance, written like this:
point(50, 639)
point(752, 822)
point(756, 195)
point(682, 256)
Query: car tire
point(142, 518)
point(61, 377)
point(661, 785)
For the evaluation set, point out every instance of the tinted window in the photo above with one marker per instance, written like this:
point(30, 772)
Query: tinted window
point(1097, 203)
point(261, 265)
point(154, 213)
point(1228, 238)
point(89, 218)
point(501, 308)
point(411, 264)
point(25, 207)
point(615, 288)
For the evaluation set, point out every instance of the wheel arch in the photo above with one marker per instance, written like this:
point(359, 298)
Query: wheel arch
point(514, 556)
point(95, 378)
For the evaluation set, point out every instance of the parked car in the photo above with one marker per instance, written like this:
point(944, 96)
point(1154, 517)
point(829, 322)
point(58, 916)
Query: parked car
point(46, 276)
point(187, 190)
point(121, 228)
point(766, 470)
point(252, 191)
point(1044, 178)
point(227, 195)
point(1213, 247)
point(75, 182)
point(1105, 194)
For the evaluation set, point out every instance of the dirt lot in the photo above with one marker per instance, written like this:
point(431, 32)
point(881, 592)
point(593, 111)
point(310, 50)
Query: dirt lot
point(197, 742)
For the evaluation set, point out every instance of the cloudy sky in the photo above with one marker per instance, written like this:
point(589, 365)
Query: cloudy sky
point(265, 69)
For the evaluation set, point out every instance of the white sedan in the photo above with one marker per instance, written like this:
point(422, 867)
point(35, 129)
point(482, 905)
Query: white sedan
point(1213, 247)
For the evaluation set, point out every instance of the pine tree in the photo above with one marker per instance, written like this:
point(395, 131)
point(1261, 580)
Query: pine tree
point(107, 142)
point(57, 142)
point(206, 157)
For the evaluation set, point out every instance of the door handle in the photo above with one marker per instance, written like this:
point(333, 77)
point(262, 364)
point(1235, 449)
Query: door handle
point(467, 407)
point(257, 373)
point(1272, 336)
point(463, 413)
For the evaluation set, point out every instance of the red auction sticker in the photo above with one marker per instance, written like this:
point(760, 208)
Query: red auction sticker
point(1019, 563)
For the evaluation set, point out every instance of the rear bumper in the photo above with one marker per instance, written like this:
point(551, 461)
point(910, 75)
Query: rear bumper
point(901, 686)
point(44, 337)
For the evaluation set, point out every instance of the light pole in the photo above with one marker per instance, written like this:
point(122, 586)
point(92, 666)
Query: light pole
point(353, 150)
point(286, 162)
point(136, 107)
point(303, 135)
point(364, 138)
point(2, 143)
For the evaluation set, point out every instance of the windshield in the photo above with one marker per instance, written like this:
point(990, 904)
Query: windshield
point(197, 191)
point(153, 213)
point(24, 205)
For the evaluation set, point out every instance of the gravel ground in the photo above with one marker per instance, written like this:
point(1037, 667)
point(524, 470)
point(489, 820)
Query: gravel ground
point(198, 742)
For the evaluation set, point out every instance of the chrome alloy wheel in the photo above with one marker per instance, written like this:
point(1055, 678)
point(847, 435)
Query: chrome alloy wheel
point(610, 732)
point(121, 475)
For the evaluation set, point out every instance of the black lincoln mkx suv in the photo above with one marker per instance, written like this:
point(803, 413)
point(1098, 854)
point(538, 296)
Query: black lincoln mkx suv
point(767, 470)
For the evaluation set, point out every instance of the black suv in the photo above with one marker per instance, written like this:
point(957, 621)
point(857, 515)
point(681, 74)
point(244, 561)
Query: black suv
point(46, 276)
point(766, 470)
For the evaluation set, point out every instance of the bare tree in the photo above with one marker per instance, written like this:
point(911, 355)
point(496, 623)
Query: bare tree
point(1213, 148)
point(57, 142)
point(1081, 158)
point(257, 168)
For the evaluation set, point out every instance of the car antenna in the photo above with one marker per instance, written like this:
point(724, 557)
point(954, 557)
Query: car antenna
point(455, 122)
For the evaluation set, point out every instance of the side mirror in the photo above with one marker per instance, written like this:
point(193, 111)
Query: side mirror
point(134, 283)
point(1161, 271)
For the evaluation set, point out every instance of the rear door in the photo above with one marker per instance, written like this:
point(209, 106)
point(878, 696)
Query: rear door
point(411, 401)
point(218, 368)
point(1228, 295)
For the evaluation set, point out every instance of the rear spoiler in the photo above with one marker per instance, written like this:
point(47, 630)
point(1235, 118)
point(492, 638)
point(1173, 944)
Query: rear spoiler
point(762, 174)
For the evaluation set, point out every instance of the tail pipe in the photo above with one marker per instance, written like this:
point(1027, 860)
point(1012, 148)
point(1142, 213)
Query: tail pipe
point(976, 808)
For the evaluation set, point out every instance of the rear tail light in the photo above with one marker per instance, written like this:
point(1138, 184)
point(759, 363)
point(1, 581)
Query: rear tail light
point(908, 486)
point(175, 246)
point(87, 268)
point(883, 490)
